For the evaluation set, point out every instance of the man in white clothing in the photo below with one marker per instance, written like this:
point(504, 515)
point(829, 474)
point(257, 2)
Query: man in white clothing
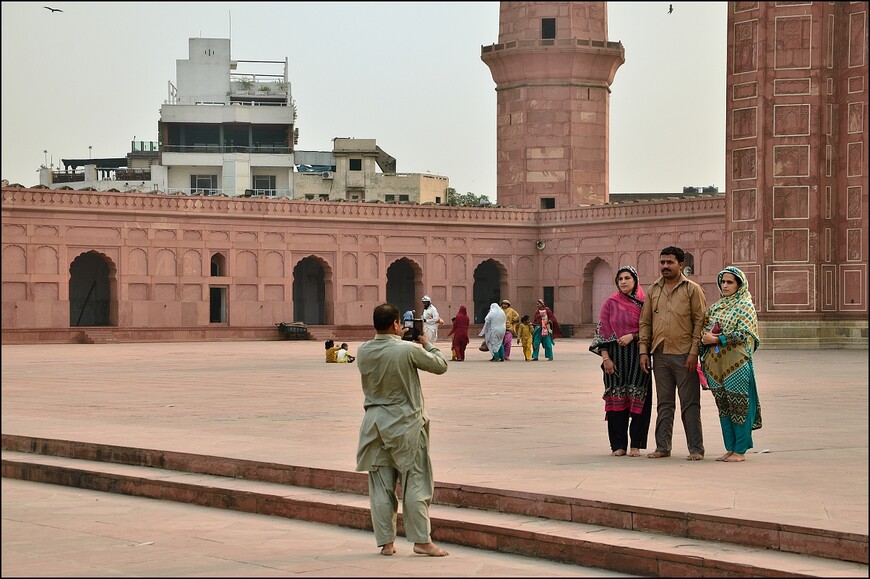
point(431, 319)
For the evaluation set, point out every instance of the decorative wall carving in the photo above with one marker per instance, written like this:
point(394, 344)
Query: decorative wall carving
point(856, 118)
point(855, 160)
point(853, 244)
point(744, 90)
point(853, 203)
point(792, 42)
point(745, 46)
point(743, 246)
point(743, 164)
point(744, 123)
point(791, 161)
point(743, 206)
point(791, 86)
point(791, 245)
point(791, 120)
point(791, 202)
point(857, 36)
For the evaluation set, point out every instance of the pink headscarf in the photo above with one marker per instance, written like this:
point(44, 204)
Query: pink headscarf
point(620, 313)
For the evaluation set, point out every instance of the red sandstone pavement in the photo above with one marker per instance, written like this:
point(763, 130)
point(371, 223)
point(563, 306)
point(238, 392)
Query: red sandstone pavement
point(517, 425)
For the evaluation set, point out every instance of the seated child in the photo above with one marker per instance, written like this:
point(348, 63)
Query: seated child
point(331, 351)
point(343, 356)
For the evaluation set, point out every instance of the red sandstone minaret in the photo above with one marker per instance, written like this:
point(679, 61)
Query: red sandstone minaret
point(553, 67)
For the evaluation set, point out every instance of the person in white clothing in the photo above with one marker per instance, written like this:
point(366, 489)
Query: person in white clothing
point(431, 319)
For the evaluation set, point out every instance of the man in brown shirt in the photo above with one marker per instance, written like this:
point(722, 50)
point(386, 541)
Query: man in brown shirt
point(670, 330)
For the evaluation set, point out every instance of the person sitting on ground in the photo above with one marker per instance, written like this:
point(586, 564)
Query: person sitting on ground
point(343, 355)
point(331, 351)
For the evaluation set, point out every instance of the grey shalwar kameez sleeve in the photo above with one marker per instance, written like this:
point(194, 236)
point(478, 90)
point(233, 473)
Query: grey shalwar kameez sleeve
point(394, 434)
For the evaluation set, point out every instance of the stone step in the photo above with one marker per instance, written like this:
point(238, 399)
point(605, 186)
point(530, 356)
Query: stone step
point(624, 550)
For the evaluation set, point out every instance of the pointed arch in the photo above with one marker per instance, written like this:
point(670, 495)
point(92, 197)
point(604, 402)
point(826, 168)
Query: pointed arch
point(93, 290)
point(490, 283)
point(597, 286)
point(404, 284)
point(313, 293)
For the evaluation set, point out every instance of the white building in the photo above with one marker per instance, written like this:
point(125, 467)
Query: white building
point(228, 128)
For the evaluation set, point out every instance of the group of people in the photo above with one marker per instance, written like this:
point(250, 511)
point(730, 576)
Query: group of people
point(501, 325)
point(337, 354)
point(669, 332)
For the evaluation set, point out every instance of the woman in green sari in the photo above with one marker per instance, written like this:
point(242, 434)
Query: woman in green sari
point(729, 340)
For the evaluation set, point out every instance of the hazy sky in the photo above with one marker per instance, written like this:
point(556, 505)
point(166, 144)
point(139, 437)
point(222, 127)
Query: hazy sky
point(407, 74)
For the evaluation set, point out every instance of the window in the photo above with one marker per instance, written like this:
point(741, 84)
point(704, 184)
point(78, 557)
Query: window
point(548, 203)
point(218, 265)
point(264, 185)
point(550, 297)
point(438, 200)
point(389, 198)
point(403, 198)
point(548, 28)
point(355, 165)
point(203, 184)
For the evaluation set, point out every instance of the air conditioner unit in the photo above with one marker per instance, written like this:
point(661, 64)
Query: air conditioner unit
point(327, 174)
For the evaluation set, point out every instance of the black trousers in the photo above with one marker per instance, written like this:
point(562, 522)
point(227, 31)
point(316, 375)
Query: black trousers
point(622, 424)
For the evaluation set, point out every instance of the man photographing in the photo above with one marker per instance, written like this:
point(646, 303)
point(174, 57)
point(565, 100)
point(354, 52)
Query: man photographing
point(394, 434)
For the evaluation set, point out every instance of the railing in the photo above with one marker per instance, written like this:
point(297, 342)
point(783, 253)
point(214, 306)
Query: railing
point(563, 42)
point(266, 193)
point(133, 174)
point(198, 191)
point(215, 148)
point(65, 177)
point(205, 192)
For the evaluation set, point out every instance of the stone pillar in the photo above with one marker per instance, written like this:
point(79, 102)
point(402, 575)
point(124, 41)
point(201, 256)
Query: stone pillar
point(553, 67)
point(796, 178)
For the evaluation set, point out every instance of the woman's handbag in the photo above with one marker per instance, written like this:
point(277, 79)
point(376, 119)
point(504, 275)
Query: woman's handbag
point(702, 378)
point(483, 347)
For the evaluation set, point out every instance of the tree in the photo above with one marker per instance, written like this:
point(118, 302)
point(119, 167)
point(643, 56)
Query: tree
point(467, 200)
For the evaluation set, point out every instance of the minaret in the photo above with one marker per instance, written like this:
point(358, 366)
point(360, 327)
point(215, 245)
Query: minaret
point(553, 67)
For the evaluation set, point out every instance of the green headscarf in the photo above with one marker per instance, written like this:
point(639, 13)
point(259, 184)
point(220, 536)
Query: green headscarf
point(728, 367)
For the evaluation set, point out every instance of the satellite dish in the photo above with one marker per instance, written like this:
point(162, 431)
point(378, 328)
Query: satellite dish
point(540, 244)
point(688, 270)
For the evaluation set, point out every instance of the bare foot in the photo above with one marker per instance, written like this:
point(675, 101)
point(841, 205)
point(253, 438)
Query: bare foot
point(634, 452)
point(735, 458)
point(430, 549)
point(388, 549)
point(618, 452)
point(724, 456)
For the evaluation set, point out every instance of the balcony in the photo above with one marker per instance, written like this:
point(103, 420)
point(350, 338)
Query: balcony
point(216, 148)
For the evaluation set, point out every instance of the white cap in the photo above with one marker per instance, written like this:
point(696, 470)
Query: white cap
point(427, 299)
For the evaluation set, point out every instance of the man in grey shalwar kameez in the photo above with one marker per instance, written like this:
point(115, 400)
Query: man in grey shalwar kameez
point(394, 434)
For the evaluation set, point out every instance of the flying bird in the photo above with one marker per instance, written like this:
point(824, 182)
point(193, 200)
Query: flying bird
point(52, 9)
point(670, 8)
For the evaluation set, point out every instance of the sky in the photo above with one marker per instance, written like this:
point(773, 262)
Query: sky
point(91, 79)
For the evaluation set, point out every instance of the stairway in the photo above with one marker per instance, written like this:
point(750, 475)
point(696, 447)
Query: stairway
point(622, 538)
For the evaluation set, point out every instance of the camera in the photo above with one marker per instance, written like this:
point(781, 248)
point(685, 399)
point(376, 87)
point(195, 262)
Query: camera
point(413, 329)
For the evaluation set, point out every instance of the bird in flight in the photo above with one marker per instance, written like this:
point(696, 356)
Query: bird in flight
point(52, 9)
point(670, 8)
